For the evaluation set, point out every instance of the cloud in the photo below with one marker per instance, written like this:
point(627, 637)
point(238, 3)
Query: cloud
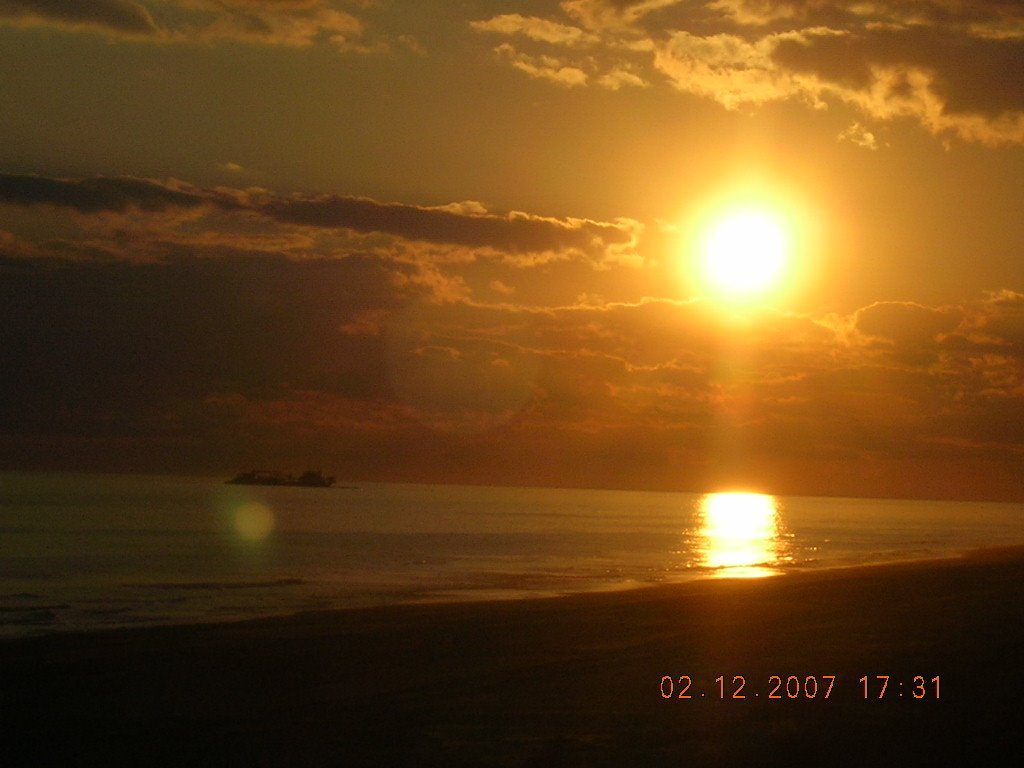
point(160, 320)
point(293, 23)
point(534, 28)
point(117, 331)
point(733, 71)
point(297, 23)
point(213, 354)
point(123, 17)
point(636, 373)
point(859, 135)
point(543, 67)
point(613, 16)
point(998, 324)
point(501, 288)
point(906, 323)
point(465, 224)
point(513, 232)
point(615, 79)
point(914, 332)
point(755, 12)
point(919, 73)
point(950, 66)
point(1000, 29)
point(96, 194)
point(563, 53)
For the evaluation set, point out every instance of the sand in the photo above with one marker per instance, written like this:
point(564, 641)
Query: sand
point(569, 681)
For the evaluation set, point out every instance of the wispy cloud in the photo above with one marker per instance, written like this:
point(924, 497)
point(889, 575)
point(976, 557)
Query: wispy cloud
point(887, 60)
point(735, 72)
point(295, 23)
point(535, 28)
point(278, 22)
point(543, 67)
point(756, 12)
point(121, 17)
point(859, 135)
point(613, 16)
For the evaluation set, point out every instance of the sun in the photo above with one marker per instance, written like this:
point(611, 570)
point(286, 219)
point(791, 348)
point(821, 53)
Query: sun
point(744, 253)
point(753, 243)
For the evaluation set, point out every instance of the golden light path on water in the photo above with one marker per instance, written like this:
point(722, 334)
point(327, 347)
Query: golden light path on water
point(739, 534)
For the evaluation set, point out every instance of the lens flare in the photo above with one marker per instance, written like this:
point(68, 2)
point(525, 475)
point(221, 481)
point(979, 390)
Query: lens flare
point(253, 521)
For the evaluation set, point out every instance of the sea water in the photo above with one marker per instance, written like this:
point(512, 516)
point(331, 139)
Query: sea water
point(85, 552)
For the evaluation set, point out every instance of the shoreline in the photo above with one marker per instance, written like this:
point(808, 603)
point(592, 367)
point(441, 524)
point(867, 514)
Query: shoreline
point(976, 554)
point(555, 681)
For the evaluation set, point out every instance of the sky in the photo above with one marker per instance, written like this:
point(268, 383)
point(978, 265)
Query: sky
point(462, 241)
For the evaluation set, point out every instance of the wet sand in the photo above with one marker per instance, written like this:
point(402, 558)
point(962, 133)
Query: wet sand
point(573, 681)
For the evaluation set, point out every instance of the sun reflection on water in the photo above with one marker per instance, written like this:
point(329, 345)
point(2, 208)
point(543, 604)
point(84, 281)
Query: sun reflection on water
point(739, 534)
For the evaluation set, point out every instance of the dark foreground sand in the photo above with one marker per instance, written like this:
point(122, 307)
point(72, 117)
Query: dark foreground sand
point(563, 682)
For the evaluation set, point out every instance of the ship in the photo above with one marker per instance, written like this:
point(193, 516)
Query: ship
point(309, 479)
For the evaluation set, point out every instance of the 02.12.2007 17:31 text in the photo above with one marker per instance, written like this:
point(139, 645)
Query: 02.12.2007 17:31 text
point(736, 687)
point(793, 687)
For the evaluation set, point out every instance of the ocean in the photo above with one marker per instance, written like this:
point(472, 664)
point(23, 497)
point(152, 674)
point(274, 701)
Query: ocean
point(88, 552)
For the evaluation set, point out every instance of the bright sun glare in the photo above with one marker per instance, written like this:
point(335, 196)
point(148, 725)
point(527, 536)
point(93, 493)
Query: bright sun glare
point(744, 253)
point(739, 535)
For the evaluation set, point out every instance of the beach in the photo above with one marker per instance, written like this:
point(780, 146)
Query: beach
point(570, 681)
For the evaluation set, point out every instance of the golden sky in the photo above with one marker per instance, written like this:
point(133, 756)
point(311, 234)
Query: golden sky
point(476, 241)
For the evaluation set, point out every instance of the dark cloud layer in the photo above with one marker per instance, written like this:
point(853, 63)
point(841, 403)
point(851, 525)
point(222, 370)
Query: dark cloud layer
point(94, 195)
point(120, 16)
point(213, 363)
point(165, 326)
point(513, 233)
point(86, 342)
point(460, 225)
